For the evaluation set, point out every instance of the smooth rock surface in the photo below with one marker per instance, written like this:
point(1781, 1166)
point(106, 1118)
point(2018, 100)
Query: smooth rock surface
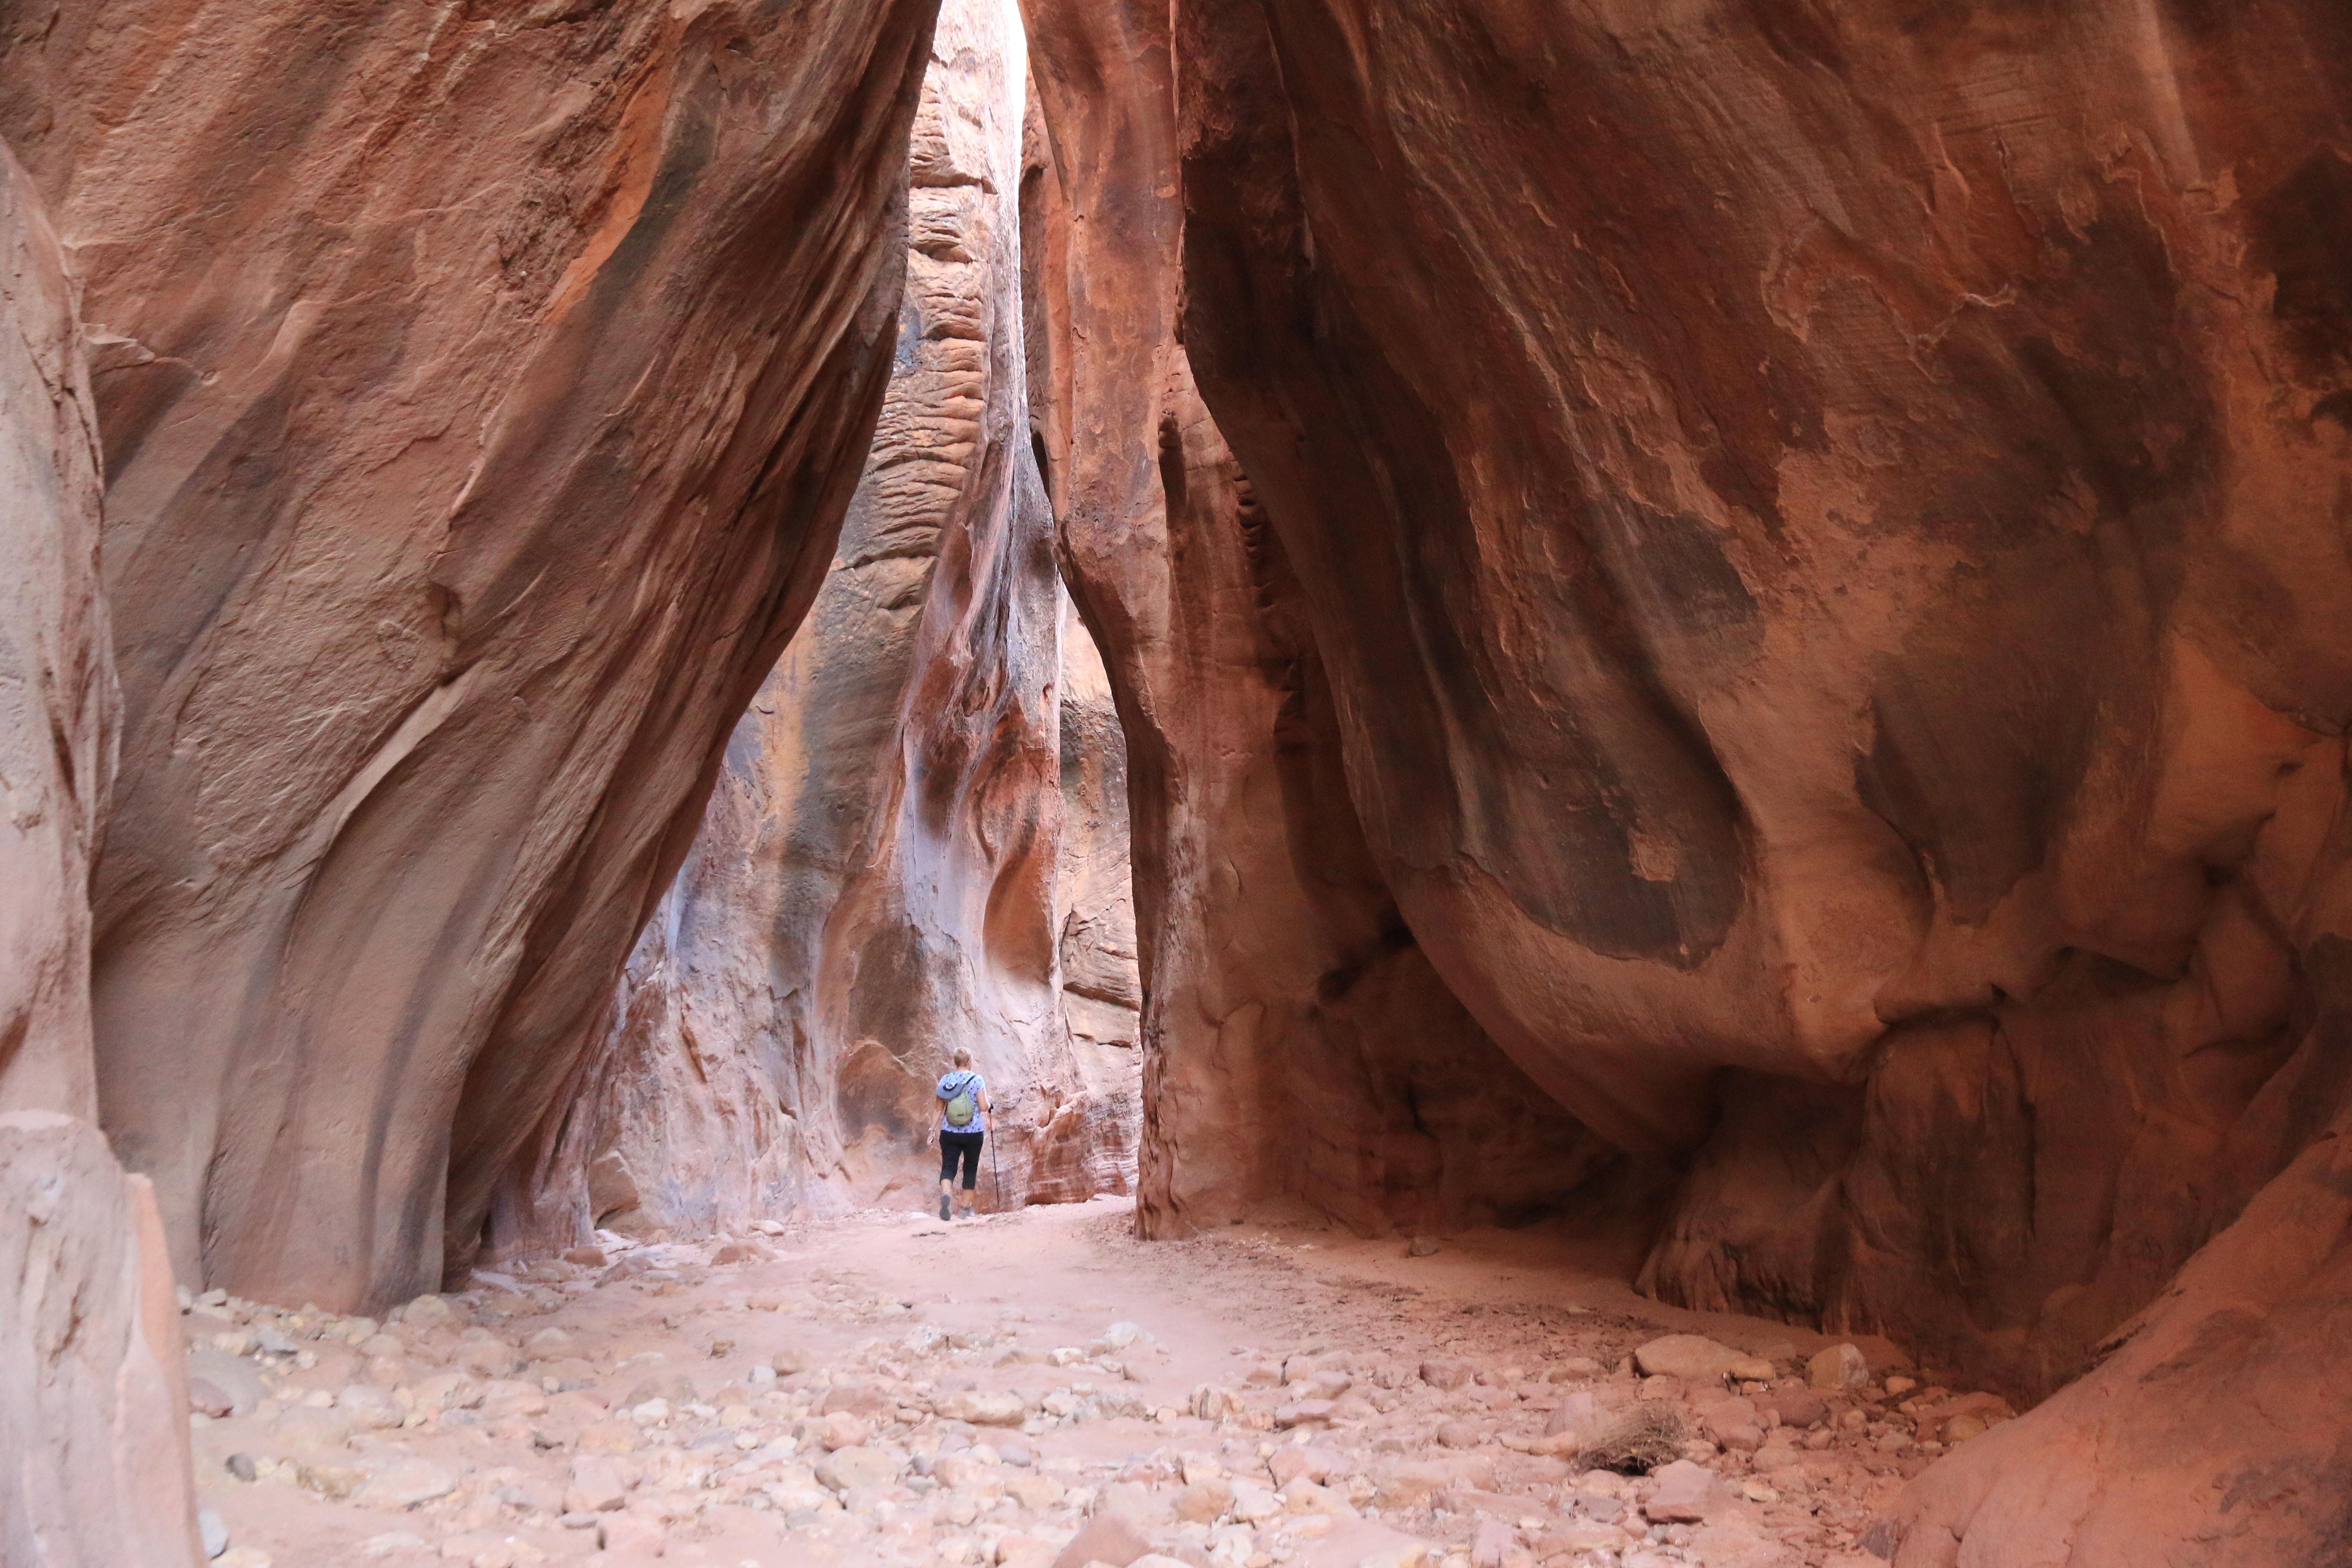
point(1840, 1367)
point(1691, 1357)
point(479, 398)
point(1820, 528)
point(1297, 1040)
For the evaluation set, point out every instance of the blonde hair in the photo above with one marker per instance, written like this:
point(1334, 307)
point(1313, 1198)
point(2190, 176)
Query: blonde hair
point(962, 1056)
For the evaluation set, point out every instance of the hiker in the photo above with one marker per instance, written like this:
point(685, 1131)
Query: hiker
point(963, 1105)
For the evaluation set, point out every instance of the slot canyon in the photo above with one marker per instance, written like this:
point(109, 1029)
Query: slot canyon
point(1612, 726)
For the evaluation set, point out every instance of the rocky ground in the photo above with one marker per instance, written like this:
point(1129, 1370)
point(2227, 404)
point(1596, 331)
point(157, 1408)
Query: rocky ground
point(1039, 1390)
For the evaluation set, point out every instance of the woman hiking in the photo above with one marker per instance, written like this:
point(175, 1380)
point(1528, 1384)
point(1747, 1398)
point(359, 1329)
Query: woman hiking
point(963, 1128)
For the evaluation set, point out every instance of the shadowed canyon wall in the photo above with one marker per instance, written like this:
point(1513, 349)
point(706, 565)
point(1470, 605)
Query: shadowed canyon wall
point(880, 877)
point(479, 400)
point(1823, 525)
point(1297, 1042)
point(1727, 617)
point(94, 1465)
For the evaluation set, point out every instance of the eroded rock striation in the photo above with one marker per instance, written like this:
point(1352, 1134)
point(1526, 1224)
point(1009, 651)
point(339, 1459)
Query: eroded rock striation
point(1822, 527)
point(57, 700)
point(480, 391)
point(1298, 1041)
point(1740, 598)
point(880, 875)
point(93, 1431)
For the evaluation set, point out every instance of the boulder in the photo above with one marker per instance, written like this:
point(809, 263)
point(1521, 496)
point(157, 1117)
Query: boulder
point(860, 1466)
point(1682, 1492)
point(1107, 1538)
point(1691, 1357)
point(598, 1485)
point(1839, 1369)
point(1445, 1374)
point(984, 1410)
point(407, 1482)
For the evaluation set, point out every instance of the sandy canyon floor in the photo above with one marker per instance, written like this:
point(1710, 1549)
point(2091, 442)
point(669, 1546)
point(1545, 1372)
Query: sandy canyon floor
point(1038, 1389)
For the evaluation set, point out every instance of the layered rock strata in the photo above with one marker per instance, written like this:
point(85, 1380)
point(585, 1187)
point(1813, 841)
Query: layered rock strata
point(880, 877)
point(93, 1430)
point(1822, 527)
point(480, 393)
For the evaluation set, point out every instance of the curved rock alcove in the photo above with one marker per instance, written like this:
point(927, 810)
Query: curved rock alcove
point(1698, 649)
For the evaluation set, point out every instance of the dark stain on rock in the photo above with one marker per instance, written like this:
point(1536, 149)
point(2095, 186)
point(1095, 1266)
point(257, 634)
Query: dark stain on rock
point(2302, 235)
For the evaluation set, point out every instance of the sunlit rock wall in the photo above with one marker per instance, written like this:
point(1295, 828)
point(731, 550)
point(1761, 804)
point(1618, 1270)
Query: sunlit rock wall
point(889, 869)
point(480, 389)
point(1094, 922)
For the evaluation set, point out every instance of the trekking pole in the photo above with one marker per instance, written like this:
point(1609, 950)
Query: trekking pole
point(996, 1166)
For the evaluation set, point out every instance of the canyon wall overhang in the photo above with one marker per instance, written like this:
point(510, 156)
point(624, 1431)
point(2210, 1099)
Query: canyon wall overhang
point(1824, 526)
point(1298, 1044)
point(881, 876)
point(479, 394)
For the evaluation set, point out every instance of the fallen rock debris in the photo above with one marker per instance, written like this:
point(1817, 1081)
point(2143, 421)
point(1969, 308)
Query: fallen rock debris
point(526, 1421)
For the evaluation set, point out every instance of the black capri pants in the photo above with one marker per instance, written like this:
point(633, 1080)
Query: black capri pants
point(964, 1146)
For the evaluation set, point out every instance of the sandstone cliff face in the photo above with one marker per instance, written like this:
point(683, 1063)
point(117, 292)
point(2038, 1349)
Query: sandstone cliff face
point(480, 391)
point(1823, 525)
point(1297, 1042)
point(58, 704)
point(879, 877)
point(93, 1430)
point(1094, 902)
point(1757, 585)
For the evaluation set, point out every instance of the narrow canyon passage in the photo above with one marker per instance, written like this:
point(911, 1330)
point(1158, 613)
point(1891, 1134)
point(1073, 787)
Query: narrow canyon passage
point(1619, 730)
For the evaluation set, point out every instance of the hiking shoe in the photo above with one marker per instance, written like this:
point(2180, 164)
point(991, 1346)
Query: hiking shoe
point(943, 1207)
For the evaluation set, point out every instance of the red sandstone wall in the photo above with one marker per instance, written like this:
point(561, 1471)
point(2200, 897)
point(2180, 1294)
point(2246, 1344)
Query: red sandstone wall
point(1823, 525)
point(879, 876)
point(93, 1425)
point(1297, 1042)
point(479, 395)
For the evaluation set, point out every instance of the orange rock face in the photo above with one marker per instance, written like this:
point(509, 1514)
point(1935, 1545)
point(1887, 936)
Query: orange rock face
point(1730, 616)
point(479, 399)
point(889, 869)
point(58, 704)
point(93, 1428)
point(1298, 1040)
point(1823, 526)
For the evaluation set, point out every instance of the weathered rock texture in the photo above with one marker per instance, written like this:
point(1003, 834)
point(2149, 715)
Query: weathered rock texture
point(1824, 526)
point(93, 1434)
point(1094, 881)
point(480, 391)
point(57, 706)
point(879, 876)
point(1298, 1041)
point(93, 1377)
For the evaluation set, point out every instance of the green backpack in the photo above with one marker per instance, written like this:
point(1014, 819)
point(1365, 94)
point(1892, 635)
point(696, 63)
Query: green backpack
point(961, 1107)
